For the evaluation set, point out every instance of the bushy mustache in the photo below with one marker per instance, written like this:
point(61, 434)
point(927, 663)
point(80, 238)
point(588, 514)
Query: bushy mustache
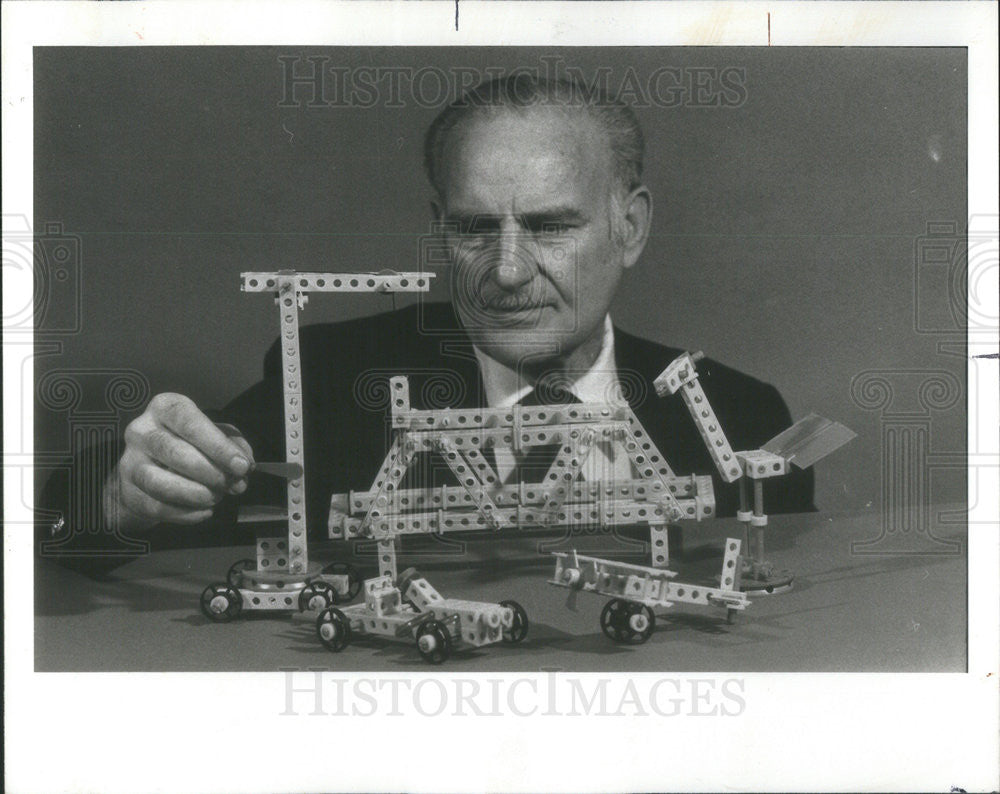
point(508, 303)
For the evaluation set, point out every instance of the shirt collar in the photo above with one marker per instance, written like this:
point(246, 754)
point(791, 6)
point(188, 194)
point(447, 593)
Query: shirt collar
point(599, 384)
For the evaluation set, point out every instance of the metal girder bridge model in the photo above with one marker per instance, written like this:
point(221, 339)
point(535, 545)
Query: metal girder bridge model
point(464, 438)
point(283, 577)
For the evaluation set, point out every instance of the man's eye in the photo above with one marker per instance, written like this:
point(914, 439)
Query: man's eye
point(546, 228)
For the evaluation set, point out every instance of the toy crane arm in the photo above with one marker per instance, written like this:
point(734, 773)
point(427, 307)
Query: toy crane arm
point(805, 442)
point(681, 375)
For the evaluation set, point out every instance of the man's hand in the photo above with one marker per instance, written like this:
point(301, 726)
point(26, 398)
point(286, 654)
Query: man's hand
point(177, 465)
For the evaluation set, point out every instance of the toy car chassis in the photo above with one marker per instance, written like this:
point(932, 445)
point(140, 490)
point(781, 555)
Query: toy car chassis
point(410, 607)
point(637, 590)
point(249, 587)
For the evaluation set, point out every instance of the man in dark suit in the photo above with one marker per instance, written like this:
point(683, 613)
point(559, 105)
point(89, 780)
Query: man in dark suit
point(537, 187)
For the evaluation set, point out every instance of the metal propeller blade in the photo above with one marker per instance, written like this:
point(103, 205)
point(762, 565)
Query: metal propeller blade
point(572, 575)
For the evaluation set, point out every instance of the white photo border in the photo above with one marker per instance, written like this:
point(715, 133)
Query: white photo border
point(226, 732)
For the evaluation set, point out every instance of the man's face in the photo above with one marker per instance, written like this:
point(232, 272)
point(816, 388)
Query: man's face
point(536, 262)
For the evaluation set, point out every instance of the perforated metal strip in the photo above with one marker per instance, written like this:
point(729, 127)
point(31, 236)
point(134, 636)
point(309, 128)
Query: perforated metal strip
point(393, 469)
point(537, 493)
point(648, 469)
point(566, 468)
point(291, 372)
point(708, 425)
point(468, 478)
point(604, 513)
point(339, 282)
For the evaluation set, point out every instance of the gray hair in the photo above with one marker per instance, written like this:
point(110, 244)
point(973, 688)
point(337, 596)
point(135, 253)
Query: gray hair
point(523, 90)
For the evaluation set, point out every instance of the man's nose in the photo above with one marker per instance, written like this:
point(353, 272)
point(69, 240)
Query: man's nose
point(515, 265)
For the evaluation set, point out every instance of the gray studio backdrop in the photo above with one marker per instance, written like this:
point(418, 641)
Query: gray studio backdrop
point(792, 187)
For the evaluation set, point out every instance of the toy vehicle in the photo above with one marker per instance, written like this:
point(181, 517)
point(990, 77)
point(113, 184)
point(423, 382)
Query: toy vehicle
point(250, 586)
point(637, 590)
point(410, 608)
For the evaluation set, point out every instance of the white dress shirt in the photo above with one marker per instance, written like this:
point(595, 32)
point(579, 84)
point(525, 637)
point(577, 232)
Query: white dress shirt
point(599, 384)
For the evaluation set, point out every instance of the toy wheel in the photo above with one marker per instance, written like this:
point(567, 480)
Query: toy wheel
point(235, 575)
point(731, 615)
point(317, 595)
point(433, 641)
point(333, 629)
point(353, 580)
point(221, 602)
point(519, 628)
point(626, 621)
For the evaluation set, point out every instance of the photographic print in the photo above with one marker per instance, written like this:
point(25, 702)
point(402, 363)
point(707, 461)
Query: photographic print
point(573, 377)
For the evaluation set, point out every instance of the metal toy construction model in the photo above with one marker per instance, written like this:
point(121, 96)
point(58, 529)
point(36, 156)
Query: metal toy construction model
point(564, 436)
point(282, 577)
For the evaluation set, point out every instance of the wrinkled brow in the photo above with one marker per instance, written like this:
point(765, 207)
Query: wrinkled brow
point(536, 221)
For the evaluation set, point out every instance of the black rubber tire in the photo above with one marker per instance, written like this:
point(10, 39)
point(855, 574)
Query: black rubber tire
point(315, 588)
point(616, 621)
point(234, 577)
point(354, 581)
point(442, 650)
point(519, 630)
point(233, 598)
point(342, 629)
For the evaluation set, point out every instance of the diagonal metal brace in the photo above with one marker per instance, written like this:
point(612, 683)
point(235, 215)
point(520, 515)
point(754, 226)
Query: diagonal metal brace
point(566, 468)
point(468, 475)
point(393, 470)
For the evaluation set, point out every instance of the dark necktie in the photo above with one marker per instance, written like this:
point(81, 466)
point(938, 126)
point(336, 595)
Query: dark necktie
point(532, 463)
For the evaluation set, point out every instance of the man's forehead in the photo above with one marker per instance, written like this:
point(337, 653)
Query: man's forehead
point(525, 160)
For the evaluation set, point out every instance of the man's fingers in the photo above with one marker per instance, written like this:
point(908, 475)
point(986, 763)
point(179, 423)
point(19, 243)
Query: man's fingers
point(141, 504)
point(233, 434)
point(181, 457)
point(172, 489)
point(244, 445)
point(177, 465)
point(182, 417)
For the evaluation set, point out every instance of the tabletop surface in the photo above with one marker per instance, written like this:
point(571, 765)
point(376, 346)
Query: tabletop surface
point(847, 611)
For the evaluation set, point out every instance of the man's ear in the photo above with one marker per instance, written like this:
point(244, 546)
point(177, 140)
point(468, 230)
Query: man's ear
point(636, 218)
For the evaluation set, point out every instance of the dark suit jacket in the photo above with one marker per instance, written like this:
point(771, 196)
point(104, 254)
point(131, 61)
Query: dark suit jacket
point(345, 372)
